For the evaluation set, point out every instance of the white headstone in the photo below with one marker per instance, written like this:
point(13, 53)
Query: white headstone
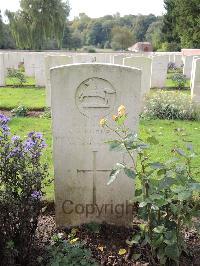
point(39, 69)
point(29, 64)
point(159, 70)
point(92, 58)
point(195, 81)
point(178, 60)
point(84, 58)
point(53, 61)
point(2, 70)
point(143, 63)
point(118, 59)
point(187, 69)
point(81, 95)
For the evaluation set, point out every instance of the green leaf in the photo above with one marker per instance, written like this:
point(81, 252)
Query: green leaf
point(143, 204)
point(120, 120)
point(195, 187)
point(159, 240)
point(172, 252)
point(129, 172)
point(184, 195)
point(142, 227)
point(132, 137)
point(138, 192)
point(159, 229)
point(113, 175)
point(170, 237)
point(120, 166)
point(136, 238)
point(161, 172)
point(115, 145)
point(157, 165)
point(167, 182)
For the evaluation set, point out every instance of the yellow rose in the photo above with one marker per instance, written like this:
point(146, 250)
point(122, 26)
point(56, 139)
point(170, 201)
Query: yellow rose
point(114, 117)
point(121, 110)
point(102, 122)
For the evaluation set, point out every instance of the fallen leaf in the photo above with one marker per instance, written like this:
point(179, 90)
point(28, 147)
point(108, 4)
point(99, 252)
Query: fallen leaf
point(101, 248)
point(72, 241)
point(122, 251)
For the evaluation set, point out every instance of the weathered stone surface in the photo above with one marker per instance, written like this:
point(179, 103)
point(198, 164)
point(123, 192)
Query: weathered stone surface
point(118, 59)
point(81, 95)
point(92, 58)
point(2, 70)
point(53, 61)
point(187, 69)
point(195, 81)
point(159, 70)
point(143, 63)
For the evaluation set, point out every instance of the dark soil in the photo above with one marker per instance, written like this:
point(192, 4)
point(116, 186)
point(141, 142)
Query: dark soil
point(35, 113)
point(105, 241)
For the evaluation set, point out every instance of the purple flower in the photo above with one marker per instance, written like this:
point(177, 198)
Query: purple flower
point(30, 134)
point(15, 152)
point(29, 144)
point(14, 138)
point(37, 195)
point(4, 119)
point(43, 144)
point(38, 135)
point(5, 127)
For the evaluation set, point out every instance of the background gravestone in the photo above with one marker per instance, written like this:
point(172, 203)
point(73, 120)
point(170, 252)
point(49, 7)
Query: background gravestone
point(49, 62)
point(143, 63)
point(195, 81)
point(2, 70)
point(187, 69)
point(81, 95)
point(159, 70)
point(118, 59)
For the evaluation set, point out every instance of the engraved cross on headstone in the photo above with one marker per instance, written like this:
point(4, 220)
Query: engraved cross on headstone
point(94, 171)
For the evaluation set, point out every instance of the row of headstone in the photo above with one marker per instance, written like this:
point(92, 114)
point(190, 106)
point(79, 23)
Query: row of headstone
point(36, 65)
point(150, 67)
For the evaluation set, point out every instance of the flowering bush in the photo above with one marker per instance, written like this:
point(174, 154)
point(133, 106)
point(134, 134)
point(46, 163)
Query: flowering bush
point(21, 189)
point(170, 105)
point(171, 66)
point(17, 76)
point(179, 80)
point(164, 194)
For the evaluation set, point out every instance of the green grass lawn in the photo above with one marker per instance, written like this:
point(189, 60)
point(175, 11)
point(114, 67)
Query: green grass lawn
point(170, 83)
point(169, 133)
point(30, 81)
point(32, 98)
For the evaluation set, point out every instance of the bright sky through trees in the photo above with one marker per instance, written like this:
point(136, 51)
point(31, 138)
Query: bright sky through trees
point(98, 8)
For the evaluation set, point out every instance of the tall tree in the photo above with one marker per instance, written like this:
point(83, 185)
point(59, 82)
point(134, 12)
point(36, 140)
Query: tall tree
point(154, 34)
point(169, 22)
point(122, 38)
point(188, 22)
point(96, 34)
point(1, 32)
point(141, 26)
point(37, 21)
point(182, 22)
